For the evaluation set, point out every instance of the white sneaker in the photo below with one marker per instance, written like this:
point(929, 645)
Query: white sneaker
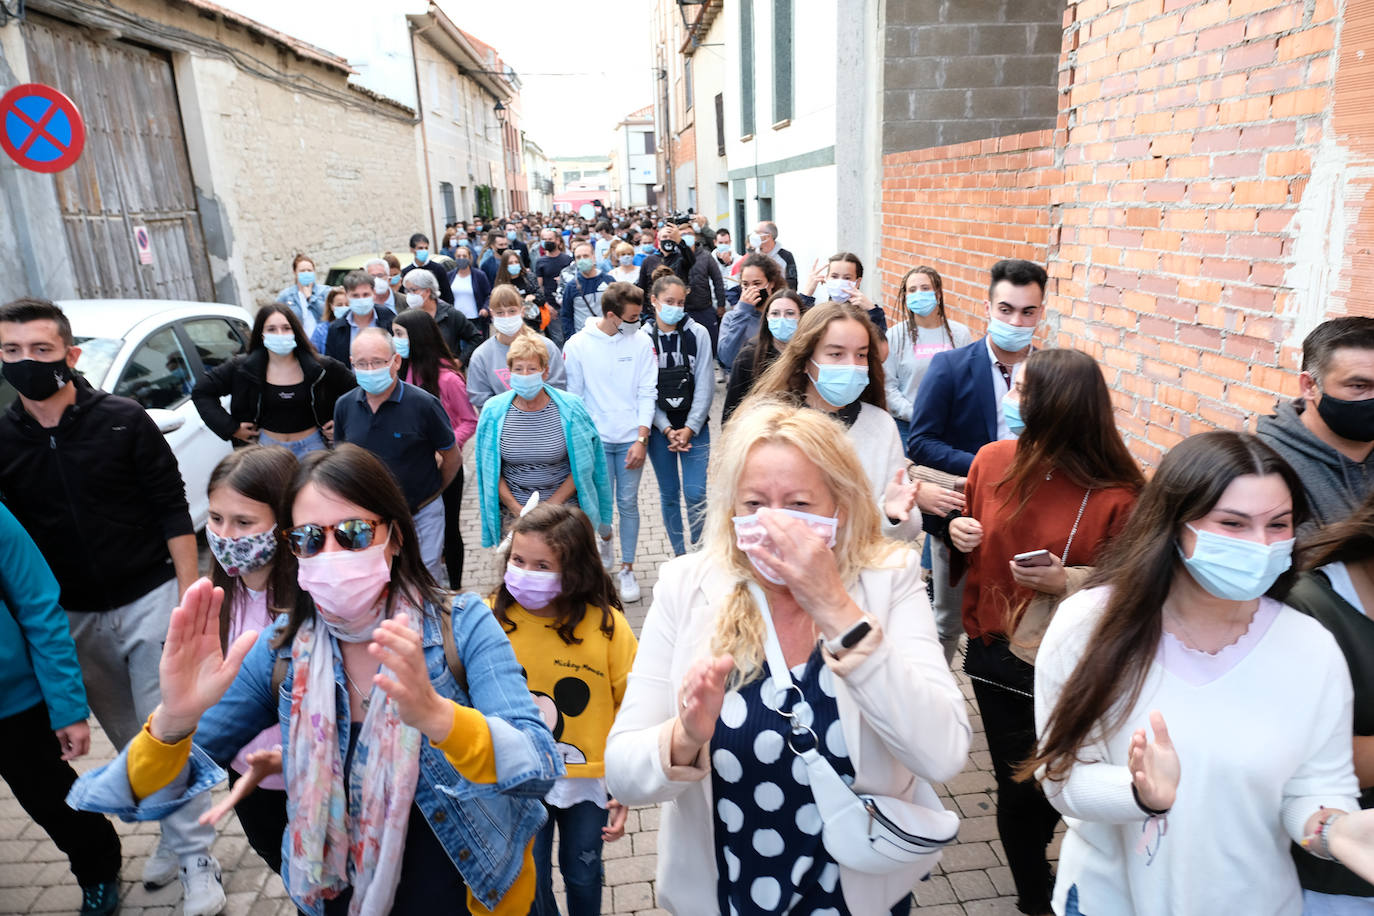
point(629, 588)
point(160, 869)
point(606, 547)
point(202, 891)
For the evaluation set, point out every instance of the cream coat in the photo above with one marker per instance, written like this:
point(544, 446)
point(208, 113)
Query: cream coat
point(902, 714)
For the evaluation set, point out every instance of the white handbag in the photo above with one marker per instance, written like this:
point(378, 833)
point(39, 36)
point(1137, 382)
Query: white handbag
point(873, 834)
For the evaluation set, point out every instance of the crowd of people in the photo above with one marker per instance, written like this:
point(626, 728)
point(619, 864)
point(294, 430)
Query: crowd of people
point(1176, 661)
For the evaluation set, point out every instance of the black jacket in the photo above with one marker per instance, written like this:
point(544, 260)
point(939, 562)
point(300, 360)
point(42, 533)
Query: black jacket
point(705, 286)
point(338, 342)
point(100, 493)
point(789, 270)
point(681, 261)
point(458, 331)
point(243, 379)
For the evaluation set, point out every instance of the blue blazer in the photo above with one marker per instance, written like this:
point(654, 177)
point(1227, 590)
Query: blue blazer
point(481, 287)
point(956, 411)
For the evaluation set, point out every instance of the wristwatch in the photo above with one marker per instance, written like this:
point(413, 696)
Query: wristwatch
point(849, 638)
point(643, 440)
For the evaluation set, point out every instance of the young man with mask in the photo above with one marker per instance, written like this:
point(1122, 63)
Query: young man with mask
point(765, 239)
point(487, 374)
point(614, 370)
point(582, 291)
point(419, 249)
point(1327, 432)
point(514, 238)
point(672, 253)
point(958, 410)
point(363, 312)
point(405, 426)
point(728, 262)
point(497, 245)
point(92, 479)
point(553, 260)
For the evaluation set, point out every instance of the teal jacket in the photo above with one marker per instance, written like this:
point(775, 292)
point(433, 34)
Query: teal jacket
point(585, 454)
point(37, 656)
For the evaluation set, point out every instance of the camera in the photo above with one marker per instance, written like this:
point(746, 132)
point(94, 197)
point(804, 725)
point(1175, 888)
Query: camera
point(679, 218)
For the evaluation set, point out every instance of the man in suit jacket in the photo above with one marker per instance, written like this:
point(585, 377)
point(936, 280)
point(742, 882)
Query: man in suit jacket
point(958, 409)
point(363, 312)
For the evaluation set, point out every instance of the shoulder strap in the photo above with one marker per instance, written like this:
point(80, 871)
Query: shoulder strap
point(279, 671)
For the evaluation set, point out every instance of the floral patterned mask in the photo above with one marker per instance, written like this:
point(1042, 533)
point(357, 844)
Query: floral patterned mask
point(237, 556)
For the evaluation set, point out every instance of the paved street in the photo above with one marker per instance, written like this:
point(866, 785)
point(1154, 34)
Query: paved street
point(973, 879)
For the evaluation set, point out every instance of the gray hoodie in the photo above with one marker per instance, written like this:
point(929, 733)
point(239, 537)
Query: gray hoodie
point(1334, 484)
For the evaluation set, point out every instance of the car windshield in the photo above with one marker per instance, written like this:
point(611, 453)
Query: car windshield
point(97, 354)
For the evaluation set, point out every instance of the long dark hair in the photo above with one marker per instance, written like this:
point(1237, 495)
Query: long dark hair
point(569, 534)
point(502, 277)
point(263, 474)
point(355, 475)
point(1069, 428)
point(788, 372)
point(303, 344)
point(772, 273)
point(907, 316)
point(763, 341)
point(1348, 541)
point(429, 354)
point(1140, 566)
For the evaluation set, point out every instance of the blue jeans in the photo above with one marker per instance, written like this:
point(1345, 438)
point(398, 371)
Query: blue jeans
point(300, 448)
point(625, 486)
point(691, 484)
point(579, 859)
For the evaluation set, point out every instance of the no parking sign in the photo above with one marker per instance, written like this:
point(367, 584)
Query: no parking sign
point(40, 128)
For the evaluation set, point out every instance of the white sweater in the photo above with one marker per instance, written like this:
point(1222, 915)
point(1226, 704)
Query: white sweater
point(880, 449)
point(1261, 748)
point(616, 376)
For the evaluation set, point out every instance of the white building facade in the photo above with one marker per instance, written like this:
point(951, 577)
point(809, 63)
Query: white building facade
point(634, 163)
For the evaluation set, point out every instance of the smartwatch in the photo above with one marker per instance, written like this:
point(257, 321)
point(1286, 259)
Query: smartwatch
point(849, 638)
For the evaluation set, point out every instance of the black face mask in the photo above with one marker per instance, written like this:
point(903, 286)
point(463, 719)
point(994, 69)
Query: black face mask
point(36, 380)
point(550, 246)
point(1353, 420)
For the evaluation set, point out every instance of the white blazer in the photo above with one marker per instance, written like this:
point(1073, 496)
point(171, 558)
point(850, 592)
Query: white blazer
point(901, 711)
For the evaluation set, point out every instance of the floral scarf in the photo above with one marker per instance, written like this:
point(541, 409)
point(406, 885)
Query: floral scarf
point(356, 837)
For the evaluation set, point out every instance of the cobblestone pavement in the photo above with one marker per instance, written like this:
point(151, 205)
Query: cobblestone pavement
point(972, 880)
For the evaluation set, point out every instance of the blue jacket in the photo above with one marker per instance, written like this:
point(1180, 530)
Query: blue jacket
point(585, 291)
point(481, 286)
point(585, 454)
point(37, 656)
point(955, 413)
point(739, 326)
point(483, 828)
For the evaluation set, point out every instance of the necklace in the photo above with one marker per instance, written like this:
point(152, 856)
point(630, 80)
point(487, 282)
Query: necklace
point(366, 698)
point(1194, 643)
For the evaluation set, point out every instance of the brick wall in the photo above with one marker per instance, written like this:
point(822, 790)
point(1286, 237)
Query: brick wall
point(1199, 209)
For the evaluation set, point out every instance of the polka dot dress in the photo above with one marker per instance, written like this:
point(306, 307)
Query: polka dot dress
point(769, 853)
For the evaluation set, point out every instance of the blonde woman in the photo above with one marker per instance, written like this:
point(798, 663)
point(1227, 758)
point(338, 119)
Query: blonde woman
point(699, 730)
point(623, 267)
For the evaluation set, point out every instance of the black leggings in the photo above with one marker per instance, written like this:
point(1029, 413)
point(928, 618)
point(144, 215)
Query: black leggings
point(453, 533)
point(262, 813)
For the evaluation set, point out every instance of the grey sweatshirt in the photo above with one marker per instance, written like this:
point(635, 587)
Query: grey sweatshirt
point(489, 376)
point(1334, 484)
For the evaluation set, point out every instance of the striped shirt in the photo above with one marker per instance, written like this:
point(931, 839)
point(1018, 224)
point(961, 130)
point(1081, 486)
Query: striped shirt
point(534, 453)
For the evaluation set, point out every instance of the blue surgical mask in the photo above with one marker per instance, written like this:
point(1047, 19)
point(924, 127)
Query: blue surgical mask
point(922, 302)
point(646, 249)
point(1236, 569)
point(671, 314)
point(513, 269)
point(421, 255)
point(280, 344)
point(689, 240)
point(782, 329)
point(373, 381)
point(840, 386)
point(1009, 337)
point(723, 248)
point(1011, 412)
point(394, 281)
point(586, 265)
point(306, 278)
point(512, 234)
point(362, 305)
point(626, 260)
point(527, 386)
point(402, 346)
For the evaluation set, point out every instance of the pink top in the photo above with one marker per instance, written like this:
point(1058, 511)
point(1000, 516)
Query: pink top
point(250, 613)
point(453, 394)
point(1196, 667)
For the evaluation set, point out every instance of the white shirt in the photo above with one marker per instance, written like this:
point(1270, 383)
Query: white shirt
point(1341, 583)
point(464, 300)
point(308, 321)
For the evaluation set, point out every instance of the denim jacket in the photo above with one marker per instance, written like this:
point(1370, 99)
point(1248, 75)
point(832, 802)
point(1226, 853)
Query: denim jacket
point(290, 297)
point(483, 828)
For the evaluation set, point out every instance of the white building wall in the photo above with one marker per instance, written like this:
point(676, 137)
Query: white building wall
point(712, 74)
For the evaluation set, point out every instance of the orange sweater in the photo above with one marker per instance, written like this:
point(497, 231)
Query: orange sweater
point(990, 592)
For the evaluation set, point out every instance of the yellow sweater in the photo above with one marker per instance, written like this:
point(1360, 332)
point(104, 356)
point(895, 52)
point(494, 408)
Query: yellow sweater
point(578, 688)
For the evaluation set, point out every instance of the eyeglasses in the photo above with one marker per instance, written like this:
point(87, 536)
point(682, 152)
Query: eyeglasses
point(350, 534)
point(367, 365)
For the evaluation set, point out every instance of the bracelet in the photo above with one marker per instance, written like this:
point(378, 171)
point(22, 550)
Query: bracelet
point(1322, 834)
point(1152, 812)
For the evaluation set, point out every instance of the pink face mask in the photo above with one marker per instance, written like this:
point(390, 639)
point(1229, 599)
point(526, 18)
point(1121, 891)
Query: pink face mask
point(346, 586)
point(533, 588)
point(749, 532)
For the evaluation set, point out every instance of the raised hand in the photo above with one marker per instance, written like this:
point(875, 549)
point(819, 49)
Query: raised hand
point(700, 699)
point(195, 672)
point(807, 566)
point(399, 648)
point(1154, 765)
point(900, 496)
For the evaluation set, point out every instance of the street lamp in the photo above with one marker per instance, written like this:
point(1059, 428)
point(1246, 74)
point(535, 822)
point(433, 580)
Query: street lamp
point(682, 8)
point(500, 110)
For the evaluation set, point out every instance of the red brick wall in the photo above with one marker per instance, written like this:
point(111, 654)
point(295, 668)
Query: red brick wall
point(1169, 204)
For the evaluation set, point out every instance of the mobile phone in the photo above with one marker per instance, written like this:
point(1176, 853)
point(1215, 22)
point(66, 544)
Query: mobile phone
point(1033, 558)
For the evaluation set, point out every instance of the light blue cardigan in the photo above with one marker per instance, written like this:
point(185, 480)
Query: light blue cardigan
point(585, 455)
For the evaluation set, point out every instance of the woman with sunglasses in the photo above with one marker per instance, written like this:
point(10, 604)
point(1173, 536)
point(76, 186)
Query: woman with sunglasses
point(407, 781)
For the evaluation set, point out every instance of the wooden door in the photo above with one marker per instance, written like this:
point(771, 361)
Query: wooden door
point(134, 172)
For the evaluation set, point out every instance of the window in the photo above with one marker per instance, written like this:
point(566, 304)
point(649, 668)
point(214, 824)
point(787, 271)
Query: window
point(450, 205)
point(457, 97)
point(741, 227)
point(746, 67)
point(157, 375)
point(782, 60)
point(687, 83)
point(572, 176)
point(720, 124)
point(765, 209)
point(215, 340)
point(648, 142)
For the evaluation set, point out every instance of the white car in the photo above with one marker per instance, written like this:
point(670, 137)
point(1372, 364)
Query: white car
point(154, 351)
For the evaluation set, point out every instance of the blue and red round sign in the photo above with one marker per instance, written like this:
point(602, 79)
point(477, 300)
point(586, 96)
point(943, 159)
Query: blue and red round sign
point(40, 128)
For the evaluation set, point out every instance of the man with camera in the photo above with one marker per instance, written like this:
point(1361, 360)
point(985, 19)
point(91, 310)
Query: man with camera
point(671, 252)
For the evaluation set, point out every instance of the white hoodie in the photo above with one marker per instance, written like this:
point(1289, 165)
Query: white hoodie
point(617, 377)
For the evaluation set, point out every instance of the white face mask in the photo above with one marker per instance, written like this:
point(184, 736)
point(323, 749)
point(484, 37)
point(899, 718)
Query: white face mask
point(414, 300)
point(507, 325)
point(749, 531)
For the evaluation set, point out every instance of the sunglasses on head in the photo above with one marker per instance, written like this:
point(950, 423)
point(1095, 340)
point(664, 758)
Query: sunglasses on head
point(349, 534)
